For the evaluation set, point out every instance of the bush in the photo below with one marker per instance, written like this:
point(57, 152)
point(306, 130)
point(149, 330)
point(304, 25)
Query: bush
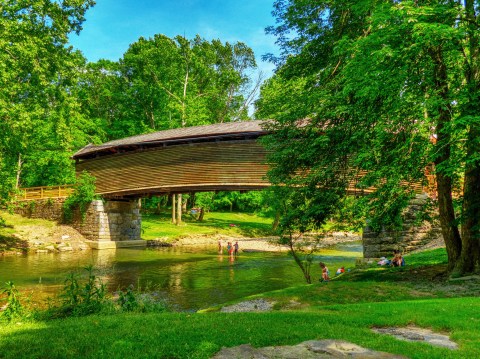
point(135, 301)
point(81, 197)
point(14, 308)
point(79, 299)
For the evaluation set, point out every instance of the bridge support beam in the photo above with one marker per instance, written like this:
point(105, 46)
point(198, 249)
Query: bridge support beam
point(413, 234)
point(113, 224)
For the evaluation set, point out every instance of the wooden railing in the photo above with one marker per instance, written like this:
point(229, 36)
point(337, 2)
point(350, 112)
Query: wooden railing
point(31, 193)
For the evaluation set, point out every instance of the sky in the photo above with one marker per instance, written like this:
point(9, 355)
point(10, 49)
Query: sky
point(112, 25)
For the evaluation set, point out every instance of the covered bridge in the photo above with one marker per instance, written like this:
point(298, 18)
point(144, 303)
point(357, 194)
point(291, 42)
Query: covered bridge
point(222, 156)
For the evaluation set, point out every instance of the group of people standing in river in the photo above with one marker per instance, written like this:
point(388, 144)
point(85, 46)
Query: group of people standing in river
point(232, 249)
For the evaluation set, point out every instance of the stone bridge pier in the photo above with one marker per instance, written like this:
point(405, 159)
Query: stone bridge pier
point(107, 223)
point(414, 232)
point(112, 224)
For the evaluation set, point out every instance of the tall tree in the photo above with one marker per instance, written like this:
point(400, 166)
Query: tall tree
point(38, 112)
point(179, 82)
point(387, 87)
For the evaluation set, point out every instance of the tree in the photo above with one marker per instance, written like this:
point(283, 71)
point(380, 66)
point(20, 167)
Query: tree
point(40, 120)
point(303, 210)
point(179, 82)
point(387, 88)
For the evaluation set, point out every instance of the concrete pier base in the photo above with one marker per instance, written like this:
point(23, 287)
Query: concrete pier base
point(114, 244)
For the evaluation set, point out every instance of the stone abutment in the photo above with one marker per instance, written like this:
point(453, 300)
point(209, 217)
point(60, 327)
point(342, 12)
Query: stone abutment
point(413, 234)
point(107, 224)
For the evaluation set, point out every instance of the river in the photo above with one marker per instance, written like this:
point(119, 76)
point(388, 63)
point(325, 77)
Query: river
point(188, 278)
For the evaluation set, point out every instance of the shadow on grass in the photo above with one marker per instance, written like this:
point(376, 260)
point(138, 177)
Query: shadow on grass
point(11, 243)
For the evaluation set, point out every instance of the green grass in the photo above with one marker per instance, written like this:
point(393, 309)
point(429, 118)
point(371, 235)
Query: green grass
point(424, 278)
point(13, 220)
point(246, 225)
point(181, 335)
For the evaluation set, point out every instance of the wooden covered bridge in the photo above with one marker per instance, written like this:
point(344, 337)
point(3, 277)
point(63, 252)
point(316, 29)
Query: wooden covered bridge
point(204, 158)
point(219, 157)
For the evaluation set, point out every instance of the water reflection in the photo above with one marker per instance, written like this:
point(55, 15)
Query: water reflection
point(188, 278)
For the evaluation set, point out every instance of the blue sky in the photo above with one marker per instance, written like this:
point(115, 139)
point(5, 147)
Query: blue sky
point(112, 25)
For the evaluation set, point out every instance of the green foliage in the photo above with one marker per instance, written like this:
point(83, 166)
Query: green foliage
point(163, 83)
point(250, 201)
point(32, 205)
point(81, 198)
point(128, 300)
point(14, 309)
point(369, 94)
point(135, 301)
point(81, 297)
point(41, 124)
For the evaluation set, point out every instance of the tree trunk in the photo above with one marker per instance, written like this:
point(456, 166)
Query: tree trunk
point(470, 256)
point(184, 206)
point(469, 261)
point(450, 232)
point(276, 221)
point(179, 209)
point(305, 270)
point(174, 216)
point(202, 214)
point(19, 171)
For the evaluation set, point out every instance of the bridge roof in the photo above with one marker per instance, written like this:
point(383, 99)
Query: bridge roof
point(177, 135)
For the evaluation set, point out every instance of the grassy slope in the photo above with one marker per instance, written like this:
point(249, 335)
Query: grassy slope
point(346, 308)
point(246, 225)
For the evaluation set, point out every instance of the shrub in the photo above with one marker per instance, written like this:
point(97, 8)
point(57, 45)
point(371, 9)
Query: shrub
point(79, 299)
point(135, 301)
point(81, 197)
point(14, 308)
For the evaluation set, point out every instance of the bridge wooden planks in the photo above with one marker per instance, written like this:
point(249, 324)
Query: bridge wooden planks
point(197, 167)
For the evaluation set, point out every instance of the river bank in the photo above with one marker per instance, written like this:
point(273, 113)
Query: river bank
point(22, 235)
point(264, 244)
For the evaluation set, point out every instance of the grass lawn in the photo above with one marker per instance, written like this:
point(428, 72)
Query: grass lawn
point(180, 335)
point(225, 223)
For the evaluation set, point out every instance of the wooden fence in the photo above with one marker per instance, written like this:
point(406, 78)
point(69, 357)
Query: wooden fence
point(31, 193)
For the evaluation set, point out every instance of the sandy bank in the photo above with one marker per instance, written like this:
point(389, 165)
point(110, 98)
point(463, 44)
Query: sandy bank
point(265, 244)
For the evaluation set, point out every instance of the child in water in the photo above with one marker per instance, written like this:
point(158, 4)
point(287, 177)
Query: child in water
point(325, 272)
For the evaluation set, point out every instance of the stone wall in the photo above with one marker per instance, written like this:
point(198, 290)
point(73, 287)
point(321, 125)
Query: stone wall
point(50, 209)
point(111, 221)
point(104, 221)
point(411, 236)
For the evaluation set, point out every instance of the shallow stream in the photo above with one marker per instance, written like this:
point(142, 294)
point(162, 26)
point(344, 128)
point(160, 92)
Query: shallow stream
point(188, 278)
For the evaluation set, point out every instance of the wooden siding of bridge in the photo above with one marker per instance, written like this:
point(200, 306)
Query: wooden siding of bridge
point(188, 168)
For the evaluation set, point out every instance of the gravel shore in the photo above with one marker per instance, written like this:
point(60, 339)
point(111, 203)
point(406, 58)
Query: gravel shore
point(265, 244)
